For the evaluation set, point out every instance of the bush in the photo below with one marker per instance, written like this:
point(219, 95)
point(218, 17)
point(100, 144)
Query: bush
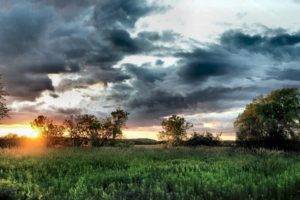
point(206, 138)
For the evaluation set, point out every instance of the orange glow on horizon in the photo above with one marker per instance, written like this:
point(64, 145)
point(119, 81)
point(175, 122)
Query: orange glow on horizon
point(140, 132)
point(19, 129)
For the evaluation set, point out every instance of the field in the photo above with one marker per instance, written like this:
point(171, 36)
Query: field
point(149, 173)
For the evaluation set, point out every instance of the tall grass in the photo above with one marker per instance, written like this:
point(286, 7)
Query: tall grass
point(143, 173)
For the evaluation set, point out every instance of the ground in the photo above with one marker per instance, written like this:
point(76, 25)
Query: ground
point(149, 173)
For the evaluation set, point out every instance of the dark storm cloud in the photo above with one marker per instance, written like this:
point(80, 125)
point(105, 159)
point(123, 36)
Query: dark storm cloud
point(286, 74)
point(95, 74)
point(229, 57)
point(160, 103)
point(85, 42)
point(202, 64)
point(120, 14)
point(213, 78)
point(145, 74)
point(38, 38)
point(25, 86)
point(278, 43)
point(155, 92)
point(22, 28)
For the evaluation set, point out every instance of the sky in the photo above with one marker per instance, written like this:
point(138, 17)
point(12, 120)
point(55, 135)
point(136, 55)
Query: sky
point(204, 60)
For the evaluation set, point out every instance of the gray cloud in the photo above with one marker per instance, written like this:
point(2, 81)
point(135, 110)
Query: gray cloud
point(278, 43)
point(120, 14)
point(45, 37)
point(213, 78)
point(202, 64)
point(90, 38)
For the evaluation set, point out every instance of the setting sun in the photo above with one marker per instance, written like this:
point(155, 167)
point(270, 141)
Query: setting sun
point(19, 129)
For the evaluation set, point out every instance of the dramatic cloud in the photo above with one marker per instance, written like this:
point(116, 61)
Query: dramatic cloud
point(278, 43)
point(67, 57)
point(41, 38)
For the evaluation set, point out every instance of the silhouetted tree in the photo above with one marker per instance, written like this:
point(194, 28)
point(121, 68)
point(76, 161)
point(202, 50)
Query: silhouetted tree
point(274, 118)
point(118, 121)
point(48, 130)
point(3, 109)
point(90, 126)
point(74, 132)
point(174, 129)
point(41, 124)
point(106, 130)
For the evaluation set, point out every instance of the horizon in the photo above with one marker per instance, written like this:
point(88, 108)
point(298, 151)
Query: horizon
point(201, 60)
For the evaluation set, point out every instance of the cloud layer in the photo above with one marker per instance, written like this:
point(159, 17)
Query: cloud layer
point(64, 57)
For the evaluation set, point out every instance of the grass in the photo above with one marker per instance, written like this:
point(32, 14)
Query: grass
point(149, 173)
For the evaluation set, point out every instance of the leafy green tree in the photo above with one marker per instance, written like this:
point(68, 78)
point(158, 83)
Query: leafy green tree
point(274, 117)
point(174, 130)
point(3, 109)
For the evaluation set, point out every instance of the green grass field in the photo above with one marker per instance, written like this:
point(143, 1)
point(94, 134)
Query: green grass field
point(149, 173)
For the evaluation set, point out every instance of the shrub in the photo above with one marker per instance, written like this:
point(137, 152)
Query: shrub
point(206, 138)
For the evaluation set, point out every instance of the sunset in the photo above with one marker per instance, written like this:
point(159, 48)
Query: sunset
point(19, 129)
point(149, 99)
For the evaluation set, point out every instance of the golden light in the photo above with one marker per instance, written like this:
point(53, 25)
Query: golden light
point(19, 129)
point(208, 125)
point(142, 132)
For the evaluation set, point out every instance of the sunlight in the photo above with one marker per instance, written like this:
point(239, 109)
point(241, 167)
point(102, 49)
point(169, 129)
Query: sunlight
point(19, 129)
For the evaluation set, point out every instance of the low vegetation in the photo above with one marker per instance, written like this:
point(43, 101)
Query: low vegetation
point(149, 173)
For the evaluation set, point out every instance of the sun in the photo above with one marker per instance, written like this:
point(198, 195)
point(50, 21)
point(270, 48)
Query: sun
point(20, 130)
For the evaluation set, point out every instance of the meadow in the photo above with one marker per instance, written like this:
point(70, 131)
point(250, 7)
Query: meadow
point(149, 173)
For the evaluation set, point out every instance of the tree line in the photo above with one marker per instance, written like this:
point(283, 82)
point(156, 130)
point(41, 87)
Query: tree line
point(80, 127)
point(270, 121)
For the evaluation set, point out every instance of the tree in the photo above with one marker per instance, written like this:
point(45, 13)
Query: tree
point(274, 118)
point(55, 130)
point(174, 129)
point(3, 109)
point(89, 126)
point(74, 133)
point(107, 130)
point(41, 124)
point(118, 121)
point(48, 130)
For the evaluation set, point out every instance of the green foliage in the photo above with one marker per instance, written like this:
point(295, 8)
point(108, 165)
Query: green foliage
point(99, 131)
point(205, 138)
point(275, 117)
point(143, 173)
point(174, 130)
